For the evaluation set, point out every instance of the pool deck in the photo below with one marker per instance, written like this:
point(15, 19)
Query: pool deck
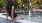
point(3, 18)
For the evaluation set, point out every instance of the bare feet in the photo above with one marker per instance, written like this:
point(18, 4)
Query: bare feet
point(12, 21)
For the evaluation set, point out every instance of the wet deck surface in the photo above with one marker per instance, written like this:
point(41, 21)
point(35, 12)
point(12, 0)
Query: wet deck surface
point(2, 20)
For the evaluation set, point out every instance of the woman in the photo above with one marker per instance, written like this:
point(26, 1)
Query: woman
point(10, 10)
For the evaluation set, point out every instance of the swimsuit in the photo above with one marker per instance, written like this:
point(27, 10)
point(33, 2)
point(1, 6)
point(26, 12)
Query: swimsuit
point(9, 8)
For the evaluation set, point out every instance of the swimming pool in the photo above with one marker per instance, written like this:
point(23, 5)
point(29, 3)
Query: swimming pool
point(34, 17)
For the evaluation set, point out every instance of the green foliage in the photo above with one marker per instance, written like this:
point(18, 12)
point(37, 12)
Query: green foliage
point(23, 2)
point(33, 2)
point(19, 3)
point(26, 3)
point(26, 6)
point(3, 3)
point(37, 3)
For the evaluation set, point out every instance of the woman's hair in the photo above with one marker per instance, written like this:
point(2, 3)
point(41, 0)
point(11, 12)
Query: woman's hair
point(10, 0)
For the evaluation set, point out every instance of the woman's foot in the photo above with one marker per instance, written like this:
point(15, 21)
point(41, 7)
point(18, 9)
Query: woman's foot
point(12, 21)
point(6, 19)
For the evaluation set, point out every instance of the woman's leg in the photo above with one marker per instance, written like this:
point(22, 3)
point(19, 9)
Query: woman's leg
point(6, 15)
point(12, 15)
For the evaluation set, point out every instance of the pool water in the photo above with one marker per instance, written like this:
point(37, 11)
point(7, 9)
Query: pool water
point(34, 17)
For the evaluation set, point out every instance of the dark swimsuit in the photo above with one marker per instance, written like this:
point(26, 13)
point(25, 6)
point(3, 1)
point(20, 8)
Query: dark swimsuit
point(9, 8)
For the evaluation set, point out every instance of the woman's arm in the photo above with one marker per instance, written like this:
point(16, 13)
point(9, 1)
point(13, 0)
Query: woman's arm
point(12, 9)
point(6, 15)
point(6, 12)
